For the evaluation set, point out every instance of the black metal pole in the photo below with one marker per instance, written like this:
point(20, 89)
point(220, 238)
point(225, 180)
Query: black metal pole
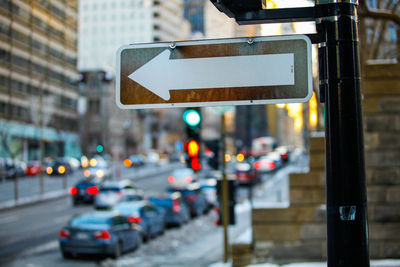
point(347, 233)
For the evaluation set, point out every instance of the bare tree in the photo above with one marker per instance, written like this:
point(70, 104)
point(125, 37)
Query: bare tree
point(375, 23)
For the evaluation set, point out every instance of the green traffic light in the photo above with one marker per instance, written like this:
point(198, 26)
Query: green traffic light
point(191, 117)
point(99, 148)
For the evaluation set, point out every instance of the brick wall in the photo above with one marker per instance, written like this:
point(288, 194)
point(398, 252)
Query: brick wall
point(381, 110)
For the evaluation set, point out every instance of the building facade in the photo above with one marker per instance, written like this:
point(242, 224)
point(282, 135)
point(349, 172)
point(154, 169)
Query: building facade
point(106, 25)
point(38, 91)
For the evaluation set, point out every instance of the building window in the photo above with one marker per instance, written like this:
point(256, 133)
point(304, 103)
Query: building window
point(4, 28)
point(393, 34)
point(94, 106)
point(20, 37)
point(5, 4)
point(4, 55)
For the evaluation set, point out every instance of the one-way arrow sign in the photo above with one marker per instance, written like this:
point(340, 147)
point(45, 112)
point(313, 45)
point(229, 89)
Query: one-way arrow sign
point(236, 71)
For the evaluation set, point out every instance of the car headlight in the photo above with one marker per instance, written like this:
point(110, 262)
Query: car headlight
point(100, 173)
point(86, 173)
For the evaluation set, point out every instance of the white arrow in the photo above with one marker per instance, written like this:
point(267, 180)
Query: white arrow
point(162, 74)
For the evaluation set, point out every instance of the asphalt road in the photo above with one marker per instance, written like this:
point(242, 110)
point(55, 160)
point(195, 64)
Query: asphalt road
point(29, 226)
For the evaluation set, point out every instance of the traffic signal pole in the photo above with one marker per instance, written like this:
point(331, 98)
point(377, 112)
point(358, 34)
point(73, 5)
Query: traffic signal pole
point(339, 70)
point(225, 191)
point(346, 205)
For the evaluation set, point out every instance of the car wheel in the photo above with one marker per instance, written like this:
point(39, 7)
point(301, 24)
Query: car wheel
point(146, 236)
point(117, 251)
point(163, 229)
point(67, 255)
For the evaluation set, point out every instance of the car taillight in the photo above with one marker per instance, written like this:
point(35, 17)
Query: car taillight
point(189, 179)
point(191, 198)
point(133, 219)
point(176, 208)
point(257, 165)
point(73, 190)
point(92, 190)
point(271, 165)
point(103, 235)
point(64, 233)
point(171, 179)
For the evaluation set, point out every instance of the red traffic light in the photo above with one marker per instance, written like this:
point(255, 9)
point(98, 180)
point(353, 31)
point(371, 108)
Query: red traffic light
point(195, 164)
point(193, 149)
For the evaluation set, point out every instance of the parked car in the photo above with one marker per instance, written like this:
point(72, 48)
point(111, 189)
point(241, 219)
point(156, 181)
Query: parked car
point(33, 168)
point(11, 168)
point(181, 177)
point(113, 192)
point(193, 197)
point(269, 163)
point(284, 152)
point(145, 214)
point(246, 174)
point(176, 211)
point(85, 191)
point(104, 233)
point(209, 189)
point(58, 166)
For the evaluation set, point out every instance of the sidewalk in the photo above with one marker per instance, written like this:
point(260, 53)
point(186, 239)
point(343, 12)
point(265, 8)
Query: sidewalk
point(29, 189)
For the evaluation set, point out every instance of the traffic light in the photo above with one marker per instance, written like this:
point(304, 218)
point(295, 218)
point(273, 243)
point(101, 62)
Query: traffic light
point(213, 157)
point(232, 7)
point(99, 148)
point(192, 119)
point(193, 149)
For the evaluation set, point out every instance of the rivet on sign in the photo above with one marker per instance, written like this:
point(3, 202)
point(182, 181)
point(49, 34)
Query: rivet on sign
point(172, 45)
point(250, 41)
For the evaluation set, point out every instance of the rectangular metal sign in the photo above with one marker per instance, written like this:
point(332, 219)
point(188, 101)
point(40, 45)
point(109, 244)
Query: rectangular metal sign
point(238, 71)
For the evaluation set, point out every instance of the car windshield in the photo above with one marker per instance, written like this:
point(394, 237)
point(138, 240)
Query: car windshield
point(130, 210)
point(90, 220)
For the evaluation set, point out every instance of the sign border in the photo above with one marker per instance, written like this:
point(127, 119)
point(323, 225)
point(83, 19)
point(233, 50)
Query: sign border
point(216, 103)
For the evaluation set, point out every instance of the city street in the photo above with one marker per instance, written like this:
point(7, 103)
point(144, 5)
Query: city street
point(29, 235)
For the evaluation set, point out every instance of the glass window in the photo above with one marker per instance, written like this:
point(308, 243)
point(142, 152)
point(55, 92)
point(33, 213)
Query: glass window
point(4, 55)
point(88, 219)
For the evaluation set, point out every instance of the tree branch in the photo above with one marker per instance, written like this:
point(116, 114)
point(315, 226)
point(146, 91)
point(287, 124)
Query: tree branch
point(365, 12)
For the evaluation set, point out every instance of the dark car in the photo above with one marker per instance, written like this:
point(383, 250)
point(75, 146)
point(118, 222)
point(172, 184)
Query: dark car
point(85, 191)
point(58, 167)
point(193, 197)
point(246, 174)
point(209, 189)
point(105, 233)
point(146, 215)
point(176, 211)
